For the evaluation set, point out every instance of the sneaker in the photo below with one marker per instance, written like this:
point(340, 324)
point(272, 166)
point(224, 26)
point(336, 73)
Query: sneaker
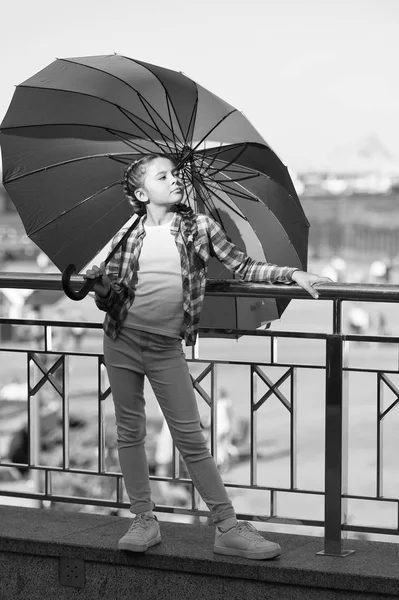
point(246, 541)
point(143, 533)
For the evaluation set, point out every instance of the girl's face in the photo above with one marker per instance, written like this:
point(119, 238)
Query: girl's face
point(161, 185)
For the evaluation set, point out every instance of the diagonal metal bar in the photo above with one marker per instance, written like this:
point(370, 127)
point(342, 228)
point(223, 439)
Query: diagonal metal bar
point(198, 388)
point(274, 388)
point(103, 395)
point(47, 374)
point(393, 389)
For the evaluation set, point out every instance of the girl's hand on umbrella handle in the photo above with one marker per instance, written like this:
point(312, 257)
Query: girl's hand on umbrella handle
point(103, 285)
point(307, 281)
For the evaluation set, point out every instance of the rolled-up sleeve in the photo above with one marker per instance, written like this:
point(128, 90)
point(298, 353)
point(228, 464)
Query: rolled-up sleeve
point(240, 263)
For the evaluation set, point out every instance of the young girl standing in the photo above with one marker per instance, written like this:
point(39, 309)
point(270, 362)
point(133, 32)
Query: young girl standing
point(152, 292)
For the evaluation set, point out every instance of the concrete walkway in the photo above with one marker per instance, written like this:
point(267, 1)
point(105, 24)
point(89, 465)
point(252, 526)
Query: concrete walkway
point(36, 545)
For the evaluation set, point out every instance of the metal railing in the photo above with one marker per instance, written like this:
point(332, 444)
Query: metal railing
point(52, 366)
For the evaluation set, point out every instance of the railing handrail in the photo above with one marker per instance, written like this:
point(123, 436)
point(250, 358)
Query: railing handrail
point(366, 292)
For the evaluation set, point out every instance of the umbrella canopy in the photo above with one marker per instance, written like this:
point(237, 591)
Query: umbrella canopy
point(72, 128)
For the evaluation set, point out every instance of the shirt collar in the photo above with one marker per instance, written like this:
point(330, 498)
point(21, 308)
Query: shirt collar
point(174, 227)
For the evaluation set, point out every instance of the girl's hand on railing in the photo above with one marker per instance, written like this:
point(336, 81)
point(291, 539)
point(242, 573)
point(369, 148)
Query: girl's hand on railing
point(307, 281)
point(102, 287)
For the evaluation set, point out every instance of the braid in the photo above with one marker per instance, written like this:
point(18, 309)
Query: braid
point(133, 179)
point(125, 182)
point(190, 223)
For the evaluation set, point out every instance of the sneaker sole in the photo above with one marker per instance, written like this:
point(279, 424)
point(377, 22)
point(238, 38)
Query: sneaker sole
point(136, 548)
point(263, 555)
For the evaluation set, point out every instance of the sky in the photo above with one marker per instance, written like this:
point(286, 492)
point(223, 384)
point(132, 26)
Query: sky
point(311, 75)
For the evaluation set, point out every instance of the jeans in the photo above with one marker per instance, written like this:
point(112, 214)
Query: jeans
point(129, 358)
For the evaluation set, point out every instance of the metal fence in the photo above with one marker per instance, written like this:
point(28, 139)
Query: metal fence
point(267, 376)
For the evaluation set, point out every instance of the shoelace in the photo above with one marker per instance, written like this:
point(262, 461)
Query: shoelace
point(248, 531)
point(140, 521)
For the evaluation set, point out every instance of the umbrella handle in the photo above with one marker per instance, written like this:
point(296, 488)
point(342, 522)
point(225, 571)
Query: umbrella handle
point(66, 284)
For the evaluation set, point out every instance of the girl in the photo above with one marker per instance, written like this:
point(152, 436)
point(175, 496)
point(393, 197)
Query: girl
point(152, 292)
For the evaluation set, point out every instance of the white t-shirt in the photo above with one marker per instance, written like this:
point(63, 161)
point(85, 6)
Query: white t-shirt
point(158, 301)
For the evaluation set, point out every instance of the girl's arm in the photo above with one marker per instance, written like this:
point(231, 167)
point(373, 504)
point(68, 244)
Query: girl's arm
point(251, 270)
point(240, 263)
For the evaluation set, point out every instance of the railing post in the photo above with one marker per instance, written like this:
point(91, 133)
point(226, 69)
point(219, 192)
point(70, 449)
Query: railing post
point(335, 449)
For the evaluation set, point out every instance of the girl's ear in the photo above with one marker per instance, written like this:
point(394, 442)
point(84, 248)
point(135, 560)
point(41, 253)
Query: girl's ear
point(141, 196)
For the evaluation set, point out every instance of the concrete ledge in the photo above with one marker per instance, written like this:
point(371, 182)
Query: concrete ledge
point(32, 542)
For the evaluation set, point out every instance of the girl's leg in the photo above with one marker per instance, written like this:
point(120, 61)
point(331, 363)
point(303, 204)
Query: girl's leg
point(121, 358)
point(167, 371)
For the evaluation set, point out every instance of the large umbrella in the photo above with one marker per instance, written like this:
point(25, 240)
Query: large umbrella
point(72, 128)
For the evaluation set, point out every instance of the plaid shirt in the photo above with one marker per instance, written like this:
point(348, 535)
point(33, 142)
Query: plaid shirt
point(210, 240)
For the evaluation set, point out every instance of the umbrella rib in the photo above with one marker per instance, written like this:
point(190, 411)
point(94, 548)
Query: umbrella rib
point(247, 196)
point(65, 212)
point(125, 112)
point(203, 188)
point(277, 183)
point(251, 197)
point(238, 179)
point(212, 161)
point(155, 125)
point(244, 169)
point(130, 144)
point(162, 84)
point(210, 151)
point(62, 163)
point(242, 150)
point(112, 156)
point(240, 215)
point(133, 145)
point(294, 197)
point(193, 116)
point(175, 137)
point(130, 117)
point(213, 128)
point(238, 169)
point(211, 191)
point(221, 148)
point(125, 83)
